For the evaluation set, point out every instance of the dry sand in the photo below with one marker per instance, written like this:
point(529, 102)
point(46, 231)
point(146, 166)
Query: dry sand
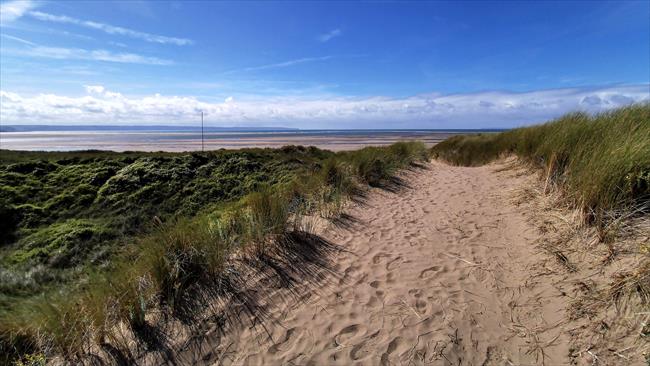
point(437, 272)
point(449, 269)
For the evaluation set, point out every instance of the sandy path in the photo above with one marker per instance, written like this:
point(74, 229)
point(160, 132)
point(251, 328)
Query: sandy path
point(437, 273)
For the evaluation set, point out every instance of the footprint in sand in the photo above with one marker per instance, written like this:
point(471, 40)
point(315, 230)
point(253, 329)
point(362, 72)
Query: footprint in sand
point(288, 341)
point(421, 306)
point(390, 278)
point(365, 348)
point(351, 270)
point(428, 272)
point(394, 263)
point(348, 333)
point(362, 279)
point(254, 359)
point(415, 292)
point(378, 257)
point(397, 344)
point(373, 302)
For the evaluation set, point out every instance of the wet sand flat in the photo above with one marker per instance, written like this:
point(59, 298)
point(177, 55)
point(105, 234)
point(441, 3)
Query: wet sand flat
point(191, 141)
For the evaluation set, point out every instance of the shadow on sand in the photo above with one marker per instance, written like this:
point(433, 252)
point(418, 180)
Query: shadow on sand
point(297, 266)
point(299, 263)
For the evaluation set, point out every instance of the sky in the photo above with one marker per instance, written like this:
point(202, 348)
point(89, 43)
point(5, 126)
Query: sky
point(320, 64)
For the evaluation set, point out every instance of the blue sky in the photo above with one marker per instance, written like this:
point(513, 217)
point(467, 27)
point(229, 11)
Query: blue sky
point(320, 65)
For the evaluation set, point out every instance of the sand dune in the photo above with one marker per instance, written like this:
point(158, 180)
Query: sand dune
point(441, 271)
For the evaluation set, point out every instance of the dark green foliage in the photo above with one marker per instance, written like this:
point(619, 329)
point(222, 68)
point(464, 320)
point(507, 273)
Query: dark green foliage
point(9, 220)
point(77, 224)
point(602, 161)
point(42, 194)
point(62, 244)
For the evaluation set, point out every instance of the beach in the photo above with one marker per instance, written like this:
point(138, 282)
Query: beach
point(449, 268)
point(335, 140)
point(482, 250)
point(442, 270)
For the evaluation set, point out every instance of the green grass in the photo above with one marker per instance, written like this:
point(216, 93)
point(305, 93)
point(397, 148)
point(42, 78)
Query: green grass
point(375, 165)
point(63, 211)
point(76, 270)
point(601, 162)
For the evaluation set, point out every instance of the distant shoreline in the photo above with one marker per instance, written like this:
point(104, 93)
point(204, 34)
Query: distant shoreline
point(72, 128)
point(162, 128)
point(193, 140)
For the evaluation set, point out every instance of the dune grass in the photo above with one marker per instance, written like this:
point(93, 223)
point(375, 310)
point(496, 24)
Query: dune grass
point(601, 162)
point(178, 266)
point(601, 165)
point(60, 212)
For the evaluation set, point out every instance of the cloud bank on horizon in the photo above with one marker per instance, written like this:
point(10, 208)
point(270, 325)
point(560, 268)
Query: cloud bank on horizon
point(489, 109)
point(319, 65)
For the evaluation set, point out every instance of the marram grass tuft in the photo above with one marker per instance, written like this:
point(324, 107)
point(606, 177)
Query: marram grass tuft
point(602, 162)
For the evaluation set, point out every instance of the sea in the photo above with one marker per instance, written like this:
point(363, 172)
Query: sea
point(174, 138)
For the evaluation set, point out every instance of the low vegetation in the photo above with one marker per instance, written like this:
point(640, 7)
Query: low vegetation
point(601, 162)
point(94, 242)
point(600, 166)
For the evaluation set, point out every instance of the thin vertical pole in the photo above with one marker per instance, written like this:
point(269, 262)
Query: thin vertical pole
point(202, 146)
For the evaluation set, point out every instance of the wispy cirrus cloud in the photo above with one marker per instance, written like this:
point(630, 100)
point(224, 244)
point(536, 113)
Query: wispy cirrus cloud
point(278, 65)
point(110, 29)
point(12, 10)
point(94, 55)
point(472, 110)
point(61, 53)
point(18, 39)
point(329, 35)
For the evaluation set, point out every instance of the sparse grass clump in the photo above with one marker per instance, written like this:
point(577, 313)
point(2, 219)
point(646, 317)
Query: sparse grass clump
point(375, 166)
point(602, 162)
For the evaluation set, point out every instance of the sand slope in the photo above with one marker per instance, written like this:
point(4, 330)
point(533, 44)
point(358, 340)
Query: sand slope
point(440, 272)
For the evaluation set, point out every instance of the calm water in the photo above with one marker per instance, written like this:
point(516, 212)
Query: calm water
point(191, 140)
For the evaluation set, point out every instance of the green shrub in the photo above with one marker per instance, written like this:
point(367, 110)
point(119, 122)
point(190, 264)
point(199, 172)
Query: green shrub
point(62, 244)
point(9, 221)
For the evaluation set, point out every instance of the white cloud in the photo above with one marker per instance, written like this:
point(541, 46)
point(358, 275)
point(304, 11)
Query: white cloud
point(329, 35)
point(17, 39)
point(110, 29)
point(476, 110)
point(94, 89)
point(61, 53)
point(282, 64)
point(12, 10)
